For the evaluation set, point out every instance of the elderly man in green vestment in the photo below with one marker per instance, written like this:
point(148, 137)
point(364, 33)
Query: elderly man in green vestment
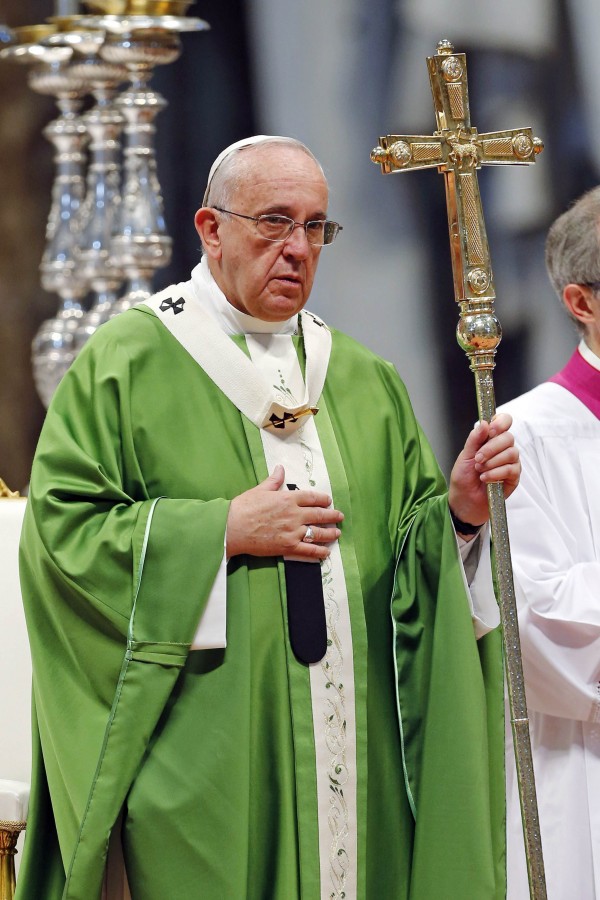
point(252, 733)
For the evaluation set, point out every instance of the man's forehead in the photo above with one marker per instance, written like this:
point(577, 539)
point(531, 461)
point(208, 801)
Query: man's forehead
point(282, 174)
point(285, 181)
point(263, 163)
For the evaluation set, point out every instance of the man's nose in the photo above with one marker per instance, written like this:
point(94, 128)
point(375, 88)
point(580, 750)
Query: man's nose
point(297, 243)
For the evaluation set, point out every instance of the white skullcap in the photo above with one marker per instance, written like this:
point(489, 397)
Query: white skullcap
point(238, 145)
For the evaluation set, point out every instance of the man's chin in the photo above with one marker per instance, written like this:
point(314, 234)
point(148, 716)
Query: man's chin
point(282, 305)
point(279, 315)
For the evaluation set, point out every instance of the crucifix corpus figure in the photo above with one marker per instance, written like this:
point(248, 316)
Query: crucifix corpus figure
point(457, 150)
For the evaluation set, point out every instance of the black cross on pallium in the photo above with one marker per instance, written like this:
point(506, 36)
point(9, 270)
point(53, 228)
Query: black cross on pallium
point(278, 422)
point(288, 418)
point(175, 305)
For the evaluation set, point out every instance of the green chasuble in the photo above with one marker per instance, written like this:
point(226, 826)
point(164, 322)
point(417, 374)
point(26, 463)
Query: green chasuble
point(210, 754)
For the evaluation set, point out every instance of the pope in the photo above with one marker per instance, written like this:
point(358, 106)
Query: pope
point(242, 728)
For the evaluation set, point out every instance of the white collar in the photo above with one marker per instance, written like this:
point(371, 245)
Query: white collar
point(589, 355)
point(230, 319)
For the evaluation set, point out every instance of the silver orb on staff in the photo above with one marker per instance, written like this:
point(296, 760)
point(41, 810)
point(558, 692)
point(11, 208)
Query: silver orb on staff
point(457, 150)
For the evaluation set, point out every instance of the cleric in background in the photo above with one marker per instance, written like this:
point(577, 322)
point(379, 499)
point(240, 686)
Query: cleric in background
point(554, 523)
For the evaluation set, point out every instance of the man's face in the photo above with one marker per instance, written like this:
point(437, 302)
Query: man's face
point(267, 279)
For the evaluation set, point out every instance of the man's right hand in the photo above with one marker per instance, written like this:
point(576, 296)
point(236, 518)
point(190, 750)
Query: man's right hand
point(266, 521)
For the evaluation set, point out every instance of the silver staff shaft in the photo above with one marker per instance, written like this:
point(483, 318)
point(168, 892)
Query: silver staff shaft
point(519, 720)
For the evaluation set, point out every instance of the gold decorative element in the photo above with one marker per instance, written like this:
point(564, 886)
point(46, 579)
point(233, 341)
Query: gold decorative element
point(401, 153)
point(140, 7)
point(462, 148)
point(445, 47)
point(500, 146)
point(33, 34)
point(426, 152)
point(397, 152)
point(479, 333)
point(455, 97)
point(523, 145)
point(475, 251)
point(479, 280)
point(12, 826)
point(70, 23)
point(478, 328)
point(7, 494)
point(517, 147)
point(452, 69)
point(379, 156)
point(9, 835)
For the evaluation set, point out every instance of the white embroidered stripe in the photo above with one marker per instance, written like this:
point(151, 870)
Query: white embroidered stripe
point(331, 679)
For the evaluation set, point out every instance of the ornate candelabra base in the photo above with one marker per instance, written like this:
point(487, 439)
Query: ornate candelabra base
point(9, 835)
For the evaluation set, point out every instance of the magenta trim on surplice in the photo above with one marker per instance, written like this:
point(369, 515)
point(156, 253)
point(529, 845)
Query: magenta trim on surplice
point(582, 380)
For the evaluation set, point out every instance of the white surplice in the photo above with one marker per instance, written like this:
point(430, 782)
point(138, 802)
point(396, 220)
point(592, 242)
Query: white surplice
point(554, 525)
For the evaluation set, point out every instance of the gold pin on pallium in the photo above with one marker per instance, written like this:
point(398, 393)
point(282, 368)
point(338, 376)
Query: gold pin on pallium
point(290, 418)
point(457, 151)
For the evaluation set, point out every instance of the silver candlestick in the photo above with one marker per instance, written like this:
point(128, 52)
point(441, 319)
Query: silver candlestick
point(99, 210)
point(140, 242)
point(113, 234)
point(53, 345)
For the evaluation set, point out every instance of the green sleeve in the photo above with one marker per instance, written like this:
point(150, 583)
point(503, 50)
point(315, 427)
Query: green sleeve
point(114, 582)
point(95, 537)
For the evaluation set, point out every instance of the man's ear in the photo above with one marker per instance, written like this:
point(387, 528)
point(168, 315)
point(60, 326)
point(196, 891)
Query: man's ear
point(578, 300)
point(207, 226)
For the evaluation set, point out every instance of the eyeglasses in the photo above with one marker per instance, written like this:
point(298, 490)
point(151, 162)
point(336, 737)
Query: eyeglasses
point(594, 285)
point(274, 227)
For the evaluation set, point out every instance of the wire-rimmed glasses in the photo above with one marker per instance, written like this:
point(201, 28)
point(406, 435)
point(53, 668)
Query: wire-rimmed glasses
point(275, 227)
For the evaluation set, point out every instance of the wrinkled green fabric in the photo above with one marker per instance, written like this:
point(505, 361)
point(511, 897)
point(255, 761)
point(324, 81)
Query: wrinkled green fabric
point(210, 753)
point(446, 715)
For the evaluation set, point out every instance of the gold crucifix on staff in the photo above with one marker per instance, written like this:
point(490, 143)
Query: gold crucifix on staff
point(457, 150)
